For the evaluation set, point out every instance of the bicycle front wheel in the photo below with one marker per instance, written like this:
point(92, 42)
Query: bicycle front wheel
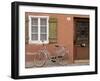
point(40, 59)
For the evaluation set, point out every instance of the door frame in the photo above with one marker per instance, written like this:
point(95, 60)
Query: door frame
point(75, 19)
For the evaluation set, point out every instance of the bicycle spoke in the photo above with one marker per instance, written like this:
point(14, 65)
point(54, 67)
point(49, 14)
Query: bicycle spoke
point(40, 59)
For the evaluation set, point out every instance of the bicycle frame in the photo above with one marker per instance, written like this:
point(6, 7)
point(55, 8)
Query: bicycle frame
point(60, 52)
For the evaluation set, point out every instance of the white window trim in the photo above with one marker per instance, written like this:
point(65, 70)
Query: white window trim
point(38, 41)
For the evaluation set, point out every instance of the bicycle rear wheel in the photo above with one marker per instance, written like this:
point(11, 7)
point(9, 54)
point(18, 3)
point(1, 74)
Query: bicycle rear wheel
point(40, 59)
point(62, 60)
point(62, 56)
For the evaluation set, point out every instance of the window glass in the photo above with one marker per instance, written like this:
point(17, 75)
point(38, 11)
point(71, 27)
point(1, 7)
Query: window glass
point(82, 31)
point(34, 36)
point(34, 21)
point(43, 21)
point(43, 30)
point(34, 29)
point(43, 37)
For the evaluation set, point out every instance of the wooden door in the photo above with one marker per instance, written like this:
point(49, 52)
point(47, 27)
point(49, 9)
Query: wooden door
point(81, 38)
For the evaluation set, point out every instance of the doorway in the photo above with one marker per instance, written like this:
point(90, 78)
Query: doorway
point(81, 39)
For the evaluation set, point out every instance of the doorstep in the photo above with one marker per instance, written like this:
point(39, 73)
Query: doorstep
point(81, 62)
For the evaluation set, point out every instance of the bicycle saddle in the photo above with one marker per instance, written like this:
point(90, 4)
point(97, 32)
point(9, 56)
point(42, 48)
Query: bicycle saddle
point(56, 45)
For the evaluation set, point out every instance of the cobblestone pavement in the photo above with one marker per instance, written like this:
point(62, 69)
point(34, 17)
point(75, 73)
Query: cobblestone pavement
point(52, 64)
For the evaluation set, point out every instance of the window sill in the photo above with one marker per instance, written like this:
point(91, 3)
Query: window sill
point(38, 42)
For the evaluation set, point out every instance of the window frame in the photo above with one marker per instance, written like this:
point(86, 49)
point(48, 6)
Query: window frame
point(38, 41)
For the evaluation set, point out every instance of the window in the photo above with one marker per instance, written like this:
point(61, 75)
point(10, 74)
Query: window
point(38, 29)
point(82, 31)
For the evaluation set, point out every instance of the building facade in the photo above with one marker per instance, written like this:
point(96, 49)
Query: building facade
point(68, 30)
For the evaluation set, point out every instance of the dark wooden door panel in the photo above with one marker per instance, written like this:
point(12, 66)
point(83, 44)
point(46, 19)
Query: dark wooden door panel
point(81, 38)
point(82, 53)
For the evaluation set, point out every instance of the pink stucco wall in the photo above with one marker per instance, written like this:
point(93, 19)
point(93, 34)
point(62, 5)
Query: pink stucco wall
point(65, 33)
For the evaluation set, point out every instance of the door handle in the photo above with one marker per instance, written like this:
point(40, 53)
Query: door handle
point(83, 45)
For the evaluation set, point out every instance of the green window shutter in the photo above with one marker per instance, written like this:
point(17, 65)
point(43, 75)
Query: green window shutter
point(53, 30)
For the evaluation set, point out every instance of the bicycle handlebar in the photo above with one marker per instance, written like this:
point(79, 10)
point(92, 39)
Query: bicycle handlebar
point(42, 42)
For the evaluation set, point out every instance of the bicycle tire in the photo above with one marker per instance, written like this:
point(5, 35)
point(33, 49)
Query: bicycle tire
point(62, 60)
point(62, 57)
point(40, 59)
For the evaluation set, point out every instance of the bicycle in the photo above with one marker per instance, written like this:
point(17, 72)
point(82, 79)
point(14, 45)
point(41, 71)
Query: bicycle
point(43, 56)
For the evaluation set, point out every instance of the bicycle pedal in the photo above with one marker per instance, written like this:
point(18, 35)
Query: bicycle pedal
point(53, 60)
point(60, 56)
